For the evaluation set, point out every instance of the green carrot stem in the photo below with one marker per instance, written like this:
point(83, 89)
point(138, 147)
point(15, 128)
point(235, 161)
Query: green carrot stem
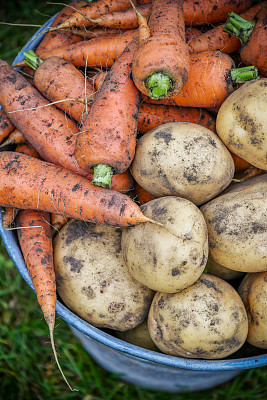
point(32, 60)
point(239, 27)
point(158, 85)
point(102, 175)
point(240, 75)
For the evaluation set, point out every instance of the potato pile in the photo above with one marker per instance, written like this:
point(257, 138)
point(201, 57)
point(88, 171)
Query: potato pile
point(163, 286)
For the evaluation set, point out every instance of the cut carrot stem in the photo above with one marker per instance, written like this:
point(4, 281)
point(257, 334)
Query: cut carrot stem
point(241, 75)
point(239, 27)
point(102, 175)
point(32, 60)
point(158, 84)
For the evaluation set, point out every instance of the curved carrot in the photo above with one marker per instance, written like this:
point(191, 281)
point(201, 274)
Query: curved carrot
point(161, 63)
point(29, 183)
point(152, 115)
point(6, 126)
point(99, 52)
point(35, 239)
point(108, 143)
point(59, 80)
point(57, 222)
point(49, 131)
point(253, 36)
point(211, 79)
point(217, 39)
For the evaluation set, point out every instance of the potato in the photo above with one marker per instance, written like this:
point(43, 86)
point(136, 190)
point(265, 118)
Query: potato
point(93, 280)
point(242, 122)
point(237, 226)
point(207, 320)
point(182, 159)
point(253, 292)
point(218, 270)
point(167, 258)
point(138, 336)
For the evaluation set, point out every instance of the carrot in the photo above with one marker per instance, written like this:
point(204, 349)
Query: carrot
point(94, 10)
point(153, 115)
point(99, 52)
point(161, 63)
point(240, 164)
point(26, 148)
point(58, 38)
point(191, 33)
point(212, 11)
point(122, 183)
point(57, 80)
point(93, 33)
point(15, 137)
point(253, 37)
point(211, 79)
point(57, 222)
point(142, 195)
point(35, 239)
point(6, 126)
point(29, 183)
point(105, 143)
point(217, 39)
point(50, 132)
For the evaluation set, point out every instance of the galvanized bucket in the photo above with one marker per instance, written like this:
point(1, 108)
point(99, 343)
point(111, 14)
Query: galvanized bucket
point(134, 364)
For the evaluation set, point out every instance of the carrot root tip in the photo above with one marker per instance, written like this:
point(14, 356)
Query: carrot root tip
point(158, 85)
point(102, 176)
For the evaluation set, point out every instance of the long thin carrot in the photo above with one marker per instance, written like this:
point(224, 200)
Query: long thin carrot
point(49, 131)
point(29, 183)
point(108, 135)
point(161, 64)
point(59, 80)
point(6, 126)
point(217, 39)
point(253, 37)
point(35, 239)
point(211, 79)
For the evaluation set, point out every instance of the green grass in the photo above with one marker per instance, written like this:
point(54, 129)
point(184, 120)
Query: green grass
point(27, 367)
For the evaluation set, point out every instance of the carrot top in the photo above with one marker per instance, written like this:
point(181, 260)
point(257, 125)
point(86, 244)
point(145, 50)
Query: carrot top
point(239, 27)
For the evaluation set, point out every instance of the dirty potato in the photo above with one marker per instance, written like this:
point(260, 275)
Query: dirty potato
point(138, 336)
point(93, 280)
point(242, 122)
point(218, 270)
point(207, 320)
point(172, 256)
point(237, 226)
point(182, 159)
point(253, 292)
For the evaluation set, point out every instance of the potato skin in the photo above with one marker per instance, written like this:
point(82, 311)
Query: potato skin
point(93, 280)
point(237, 226)
point(253, 292)
point(207, 320)
point(167, 258)
point(182, 159)
point(242, 122)
point(218, 270)
point(139, 336)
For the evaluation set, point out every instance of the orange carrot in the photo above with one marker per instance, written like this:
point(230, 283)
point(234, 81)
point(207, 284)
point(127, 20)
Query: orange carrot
point(211, 79)
point(15, 137)
point(161, 63)
point(29, 183)
point(93, 33)
point(217, 39)
point(105, 143)
point(49, 131)
point(94, 10)
point(59, 80)
point(253, 36)
point(142, 195)
point(35, 239)
point(152, 115)
point(99, 52)
point(191, 33)
point(240, 164)
point(6, 126)
point(211, 11)
point(28, 149)
point(57, 222)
